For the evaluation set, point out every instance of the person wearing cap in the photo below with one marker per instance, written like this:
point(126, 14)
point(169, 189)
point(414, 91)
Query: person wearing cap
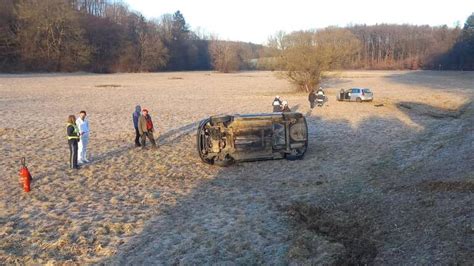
point(135, 117)
point(83, 126)
point(320, 91)
point(276, 104)
point(285, 107)
point(73, 137)
point(320, 97)
point(145, 128)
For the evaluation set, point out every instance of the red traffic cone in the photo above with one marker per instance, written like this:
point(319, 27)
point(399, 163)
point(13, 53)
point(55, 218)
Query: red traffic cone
point(25, 176)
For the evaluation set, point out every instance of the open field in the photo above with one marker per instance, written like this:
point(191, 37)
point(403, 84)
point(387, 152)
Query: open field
point(389, 185)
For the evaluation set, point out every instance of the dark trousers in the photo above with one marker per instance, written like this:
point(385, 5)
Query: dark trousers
point(137, 137)
point(148, 135)
point(311, 104)
point(73, 152)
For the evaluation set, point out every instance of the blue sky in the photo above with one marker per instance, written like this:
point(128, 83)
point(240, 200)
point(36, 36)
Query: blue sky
point(254, 20)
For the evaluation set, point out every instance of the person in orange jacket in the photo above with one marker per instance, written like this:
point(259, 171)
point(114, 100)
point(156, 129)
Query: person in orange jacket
point(146, 129)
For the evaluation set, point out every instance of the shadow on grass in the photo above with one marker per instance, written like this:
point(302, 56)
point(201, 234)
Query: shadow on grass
point(256, 213)
point(438, 80)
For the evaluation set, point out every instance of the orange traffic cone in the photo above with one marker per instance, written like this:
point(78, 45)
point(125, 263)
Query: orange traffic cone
point(25, 176)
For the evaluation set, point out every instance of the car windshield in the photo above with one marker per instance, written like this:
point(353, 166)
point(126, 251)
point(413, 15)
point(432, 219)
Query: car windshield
point(367, 91)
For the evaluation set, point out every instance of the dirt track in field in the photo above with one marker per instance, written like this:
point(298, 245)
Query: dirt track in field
point(391, 184)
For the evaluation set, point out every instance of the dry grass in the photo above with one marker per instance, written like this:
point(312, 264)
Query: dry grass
point(386, 185)
point(108, 86)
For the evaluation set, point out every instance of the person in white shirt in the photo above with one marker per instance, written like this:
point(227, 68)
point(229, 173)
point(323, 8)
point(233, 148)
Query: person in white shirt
point(276, 104)
point(83, 125)
point(320, 91)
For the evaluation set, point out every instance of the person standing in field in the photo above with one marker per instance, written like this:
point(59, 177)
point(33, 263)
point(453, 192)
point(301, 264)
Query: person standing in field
point(135, 117)
point(312, 98)
point(320, 97)
point(285, 107)
point(145, 127)
point(83, 125)
point(72, 139)
point(277, 104)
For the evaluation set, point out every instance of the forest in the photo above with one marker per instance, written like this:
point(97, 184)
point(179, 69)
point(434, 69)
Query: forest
point(106, 36)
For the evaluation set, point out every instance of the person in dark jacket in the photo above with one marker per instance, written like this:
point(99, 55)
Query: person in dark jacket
point(312, 98)
point(146, 129)
point(277, 104)
point(73, 140)
point(135, 117)
point(341, 94)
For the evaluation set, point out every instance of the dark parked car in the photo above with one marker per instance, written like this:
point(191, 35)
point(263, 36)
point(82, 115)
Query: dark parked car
point(223, 140)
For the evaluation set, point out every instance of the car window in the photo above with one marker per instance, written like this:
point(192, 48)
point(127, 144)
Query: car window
point(355, 90)
point(366, 91)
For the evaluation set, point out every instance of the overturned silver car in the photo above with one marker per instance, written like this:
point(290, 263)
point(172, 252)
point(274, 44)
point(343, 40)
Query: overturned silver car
point(223, 140)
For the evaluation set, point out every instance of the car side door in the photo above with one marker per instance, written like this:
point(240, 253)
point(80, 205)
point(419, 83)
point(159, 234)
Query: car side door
point(354, 94)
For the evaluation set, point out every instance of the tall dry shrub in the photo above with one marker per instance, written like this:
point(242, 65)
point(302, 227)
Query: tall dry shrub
point(306, 54)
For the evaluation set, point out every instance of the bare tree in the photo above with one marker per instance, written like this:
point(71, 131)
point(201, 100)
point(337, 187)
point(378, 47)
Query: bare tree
point(306, 54)
point(224, 55)
point(8, 42)
point(50, 34)
point(276, 41)
point(154, 53)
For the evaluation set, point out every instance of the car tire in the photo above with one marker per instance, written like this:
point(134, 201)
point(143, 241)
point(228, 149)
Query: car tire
point(226, 162)
point(358, 99)
point(199, 142)
point(220, 119)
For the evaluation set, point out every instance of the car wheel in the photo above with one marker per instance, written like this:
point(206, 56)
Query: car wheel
point(359, 100)
point(228, 160)
point(220, 119)
point(200, 145)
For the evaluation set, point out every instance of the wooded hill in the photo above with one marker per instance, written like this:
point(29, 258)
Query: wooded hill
point(106, 36)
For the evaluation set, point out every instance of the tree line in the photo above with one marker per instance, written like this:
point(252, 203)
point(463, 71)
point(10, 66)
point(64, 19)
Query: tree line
point(302, 56)
point(390, 46)
point(106, 36)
